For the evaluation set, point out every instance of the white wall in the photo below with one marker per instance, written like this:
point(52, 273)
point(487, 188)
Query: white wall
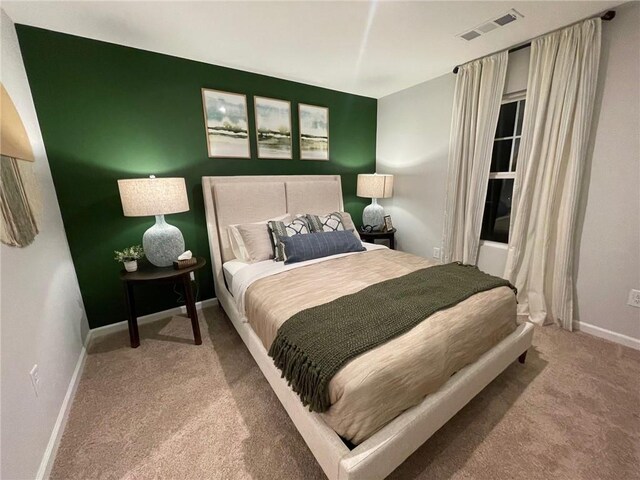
point(413, 144)
point(608, 265)
point(413, 141)
point(42, 316)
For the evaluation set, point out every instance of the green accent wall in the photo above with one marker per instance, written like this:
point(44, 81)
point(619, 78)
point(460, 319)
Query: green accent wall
point(108, 112)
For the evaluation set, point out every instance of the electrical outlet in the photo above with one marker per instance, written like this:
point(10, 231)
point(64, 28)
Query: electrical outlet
point(35, 378)
point(436, 252)
point(634, 298)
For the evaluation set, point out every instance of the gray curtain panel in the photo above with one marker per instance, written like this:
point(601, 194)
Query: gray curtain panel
point(19, 226)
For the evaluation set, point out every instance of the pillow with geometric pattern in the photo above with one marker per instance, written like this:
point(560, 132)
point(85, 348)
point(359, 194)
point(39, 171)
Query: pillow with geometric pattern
point(279, 230)
point(325, 223)
point(332, 222)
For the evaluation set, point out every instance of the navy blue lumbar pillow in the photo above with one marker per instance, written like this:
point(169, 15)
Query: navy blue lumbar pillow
point(299, 248)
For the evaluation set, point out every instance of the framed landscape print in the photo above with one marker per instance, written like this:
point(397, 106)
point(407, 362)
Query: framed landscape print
point(226, 124)
point(314, 132)
point(273, 128)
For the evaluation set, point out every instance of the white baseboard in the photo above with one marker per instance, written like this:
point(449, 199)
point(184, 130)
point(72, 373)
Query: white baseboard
point(58, 429)
point(152, 317)
point(608, 335)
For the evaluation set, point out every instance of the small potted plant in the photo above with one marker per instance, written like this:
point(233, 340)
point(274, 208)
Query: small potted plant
point(130, 256)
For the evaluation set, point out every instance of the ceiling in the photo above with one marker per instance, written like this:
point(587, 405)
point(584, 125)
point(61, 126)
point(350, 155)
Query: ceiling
point(368, 48)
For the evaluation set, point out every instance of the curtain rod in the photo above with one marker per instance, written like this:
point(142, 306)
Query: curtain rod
point(606, 16)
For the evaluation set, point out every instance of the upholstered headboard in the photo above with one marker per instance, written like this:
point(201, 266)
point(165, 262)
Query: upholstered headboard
point(231, 200)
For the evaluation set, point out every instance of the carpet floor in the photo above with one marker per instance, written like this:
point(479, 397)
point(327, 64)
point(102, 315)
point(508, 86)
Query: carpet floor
point(173, 410)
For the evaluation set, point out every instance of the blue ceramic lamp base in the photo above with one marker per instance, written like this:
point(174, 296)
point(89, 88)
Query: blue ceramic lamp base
point(162, 243)
point(373, 215)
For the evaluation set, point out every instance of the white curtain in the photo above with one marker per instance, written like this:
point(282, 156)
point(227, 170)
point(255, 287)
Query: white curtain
point(476, 105)
point(560, 95)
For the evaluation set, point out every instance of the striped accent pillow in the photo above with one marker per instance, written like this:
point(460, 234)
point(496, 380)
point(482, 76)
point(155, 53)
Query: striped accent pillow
point(281, 230)
point(317, 245)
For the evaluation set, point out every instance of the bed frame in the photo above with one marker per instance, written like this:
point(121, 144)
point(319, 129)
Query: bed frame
point(230, 200)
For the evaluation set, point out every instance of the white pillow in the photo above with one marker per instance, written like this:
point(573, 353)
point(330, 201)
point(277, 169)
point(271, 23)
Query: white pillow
point(348, 223)
point(251, 242)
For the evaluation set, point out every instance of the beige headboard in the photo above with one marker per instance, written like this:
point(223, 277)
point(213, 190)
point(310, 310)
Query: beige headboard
point(245, 199)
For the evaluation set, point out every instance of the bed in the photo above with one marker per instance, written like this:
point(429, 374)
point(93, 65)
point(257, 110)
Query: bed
point(380, 438)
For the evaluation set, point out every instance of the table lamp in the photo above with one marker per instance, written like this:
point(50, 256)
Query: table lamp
point(142, 197)
point(374, 186)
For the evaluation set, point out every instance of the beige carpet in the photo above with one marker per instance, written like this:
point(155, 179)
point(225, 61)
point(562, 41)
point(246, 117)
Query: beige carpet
point(170, 409)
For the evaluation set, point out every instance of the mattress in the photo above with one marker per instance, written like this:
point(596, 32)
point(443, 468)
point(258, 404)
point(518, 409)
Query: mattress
point(372, 389)
point(230, 269)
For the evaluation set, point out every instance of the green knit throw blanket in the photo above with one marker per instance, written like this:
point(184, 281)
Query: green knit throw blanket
point(315, 343)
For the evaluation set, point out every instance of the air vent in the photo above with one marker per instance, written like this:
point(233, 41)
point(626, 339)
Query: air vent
point(490, 25)
point(508, 18)
point(470, 35)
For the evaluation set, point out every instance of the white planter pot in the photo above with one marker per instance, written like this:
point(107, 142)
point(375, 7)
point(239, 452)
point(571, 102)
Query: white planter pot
point(131, 266)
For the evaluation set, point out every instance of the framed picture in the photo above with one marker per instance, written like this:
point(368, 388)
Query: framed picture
point(388, 225)
point(314, 132)
point(273, 128)
point(226, 124)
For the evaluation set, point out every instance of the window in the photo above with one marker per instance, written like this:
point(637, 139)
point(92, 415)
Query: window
point(497, 207)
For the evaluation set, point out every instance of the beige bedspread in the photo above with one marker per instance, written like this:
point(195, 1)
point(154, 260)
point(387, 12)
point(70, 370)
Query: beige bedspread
point(377, 386)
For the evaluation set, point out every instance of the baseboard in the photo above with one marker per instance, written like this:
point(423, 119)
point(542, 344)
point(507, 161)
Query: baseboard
point(58, 429)
point(152, 317)
point(608, 335)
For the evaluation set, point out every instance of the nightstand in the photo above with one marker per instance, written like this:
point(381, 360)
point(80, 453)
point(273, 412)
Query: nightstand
point(371, 237)
point(150, 274)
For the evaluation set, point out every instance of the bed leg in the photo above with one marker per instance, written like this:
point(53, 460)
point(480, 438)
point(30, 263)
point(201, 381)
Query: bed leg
point(523, 357)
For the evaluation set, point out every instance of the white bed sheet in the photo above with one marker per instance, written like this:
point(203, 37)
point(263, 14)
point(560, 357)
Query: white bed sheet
point(241, 275)
point(230, 269)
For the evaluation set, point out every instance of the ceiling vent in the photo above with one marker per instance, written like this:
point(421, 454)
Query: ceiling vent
point(470, 35)
point(490, 25)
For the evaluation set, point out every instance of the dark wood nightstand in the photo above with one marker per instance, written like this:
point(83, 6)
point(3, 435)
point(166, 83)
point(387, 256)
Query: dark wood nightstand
point(149, 274)
point(371, 237)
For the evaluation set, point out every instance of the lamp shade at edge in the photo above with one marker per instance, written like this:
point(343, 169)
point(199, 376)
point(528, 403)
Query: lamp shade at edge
point(14, 141)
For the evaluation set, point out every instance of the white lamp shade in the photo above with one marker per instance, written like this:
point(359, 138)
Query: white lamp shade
point(372, 185)
point(142, 197)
